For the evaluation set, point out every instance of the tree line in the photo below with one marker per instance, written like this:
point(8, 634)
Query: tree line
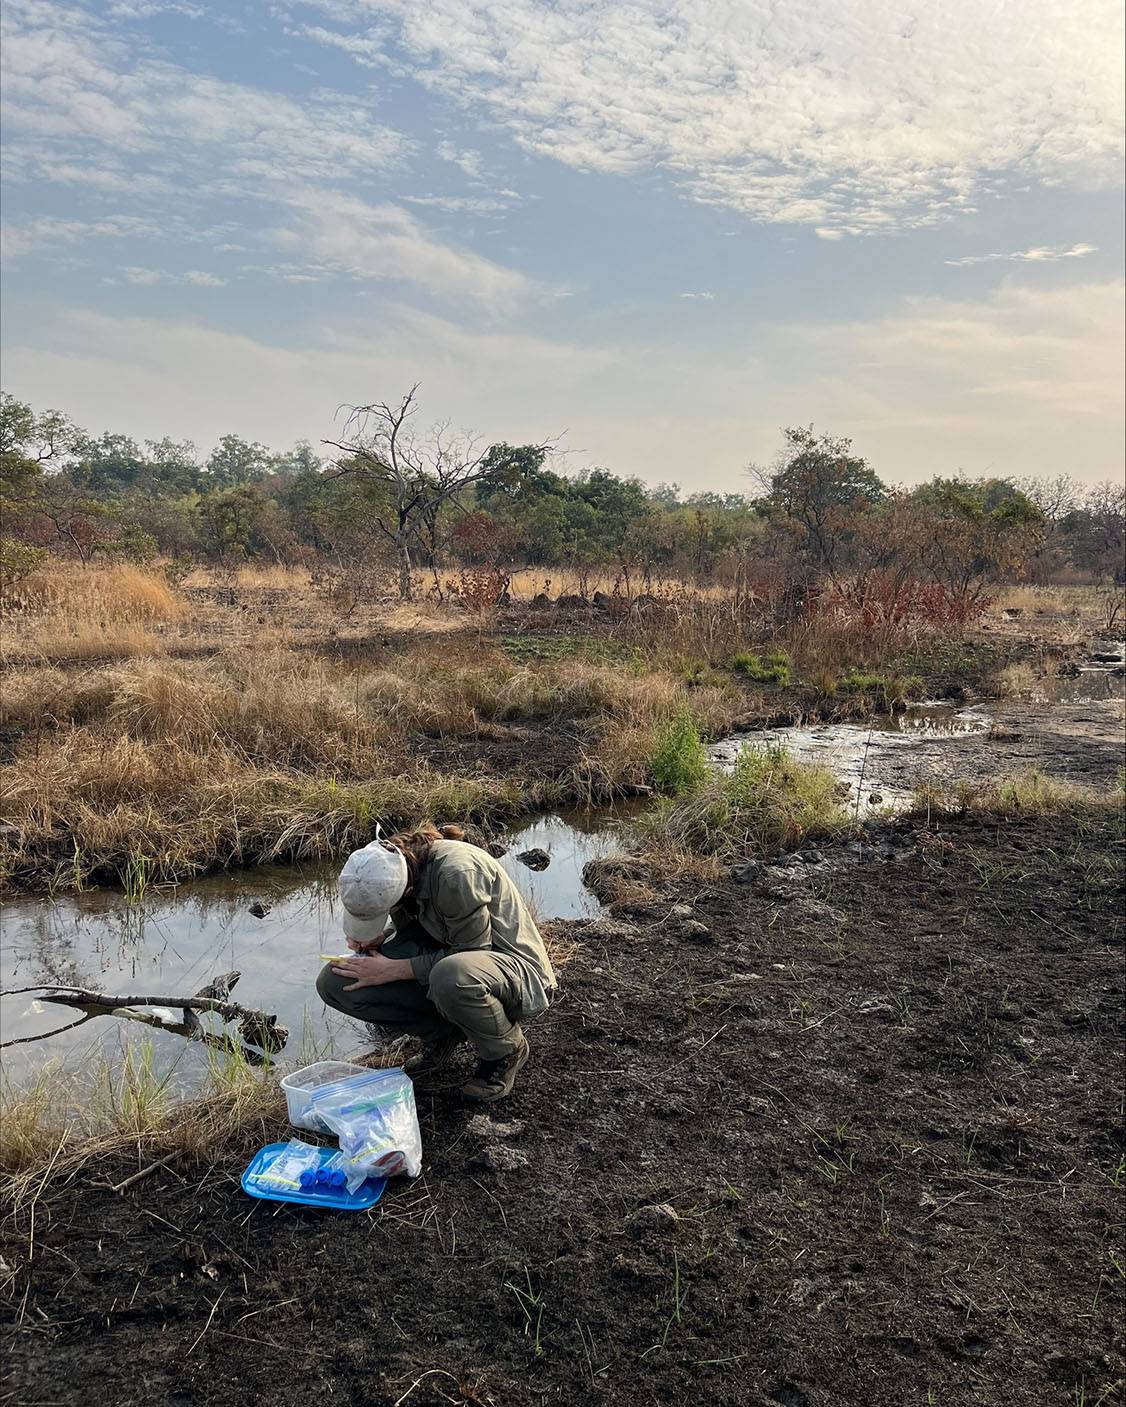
point(389, 497)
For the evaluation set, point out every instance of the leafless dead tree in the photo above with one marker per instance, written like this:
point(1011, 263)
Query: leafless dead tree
point(421, 475)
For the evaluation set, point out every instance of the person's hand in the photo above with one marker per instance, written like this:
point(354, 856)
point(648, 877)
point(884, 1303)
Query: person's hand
point(373, 945)
point(371, 970)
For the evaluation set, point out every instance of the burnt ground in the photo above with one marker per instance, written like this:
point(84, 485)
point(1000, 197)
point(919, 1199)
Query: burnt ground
point(885, 1115)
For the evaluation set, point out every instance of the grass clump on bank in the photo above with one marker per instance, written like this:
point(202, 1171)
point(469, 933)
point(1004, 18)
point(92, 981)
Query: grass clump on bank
point(891, 690)
point(771, 667)
point(113, 1109)
point(1025, 794)
point(90, 811)
point(768, 803)
point(680, 763)
point(184, 766)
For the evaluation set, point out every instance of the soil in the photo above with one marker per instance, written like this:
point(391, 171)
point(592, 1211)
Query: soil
point(861, 1147)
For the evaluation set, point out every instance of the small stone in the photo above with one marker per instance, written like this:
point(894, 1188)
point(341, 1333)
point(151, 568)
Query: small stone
point(681, 911)
point(498, 1157)
point(748, 873)
point(656, 1216)
point(484, 1127)
point(693, 931)
point(875, 799)
point(259, 909)
point(535, 859)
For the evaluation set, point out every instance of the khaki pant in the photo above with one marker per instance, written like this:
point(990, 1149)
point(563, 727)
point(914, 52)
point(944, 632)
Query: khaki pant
point(475, 993)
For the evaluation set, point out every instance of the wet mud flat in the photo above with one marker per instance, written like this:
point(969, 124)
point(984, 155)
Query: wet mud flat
point(884, 760)
point(854, 1146)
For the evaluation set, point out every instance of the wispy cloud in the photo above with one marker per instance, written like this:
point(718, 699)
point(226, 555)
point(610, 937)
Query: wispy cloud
point(200, 278)
point(49, 231)
point(465, 204)
point(90, 105)
point(383, 241)
point(72, 84)
point(1039, 254)
point(366, 50)
point(873, 118)
point(699, 297)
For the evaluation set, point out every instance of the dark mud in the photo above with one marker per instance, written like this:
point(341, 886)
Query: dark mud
point(883, 1118)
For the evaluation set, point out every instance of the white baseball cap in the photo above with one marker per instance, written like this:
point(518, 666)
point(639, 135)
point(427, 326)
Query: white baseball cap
point(371, 883)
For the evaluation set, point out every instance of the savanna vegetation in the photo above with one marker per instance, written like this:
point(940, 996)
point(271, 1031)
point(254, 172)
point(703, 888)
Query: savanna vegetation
point(811, 1055)
point(386, 498)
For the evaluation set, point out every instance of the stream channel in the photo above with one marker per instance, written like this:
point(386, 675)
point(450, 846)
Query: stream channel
point(179, 938)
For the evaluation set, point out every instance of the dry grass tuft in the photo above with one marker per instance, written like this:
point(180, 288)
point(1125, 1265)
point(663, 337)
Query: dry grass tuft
point(61, 1120)
point(71, 613)
point(1024, 794)
point(1015, 681)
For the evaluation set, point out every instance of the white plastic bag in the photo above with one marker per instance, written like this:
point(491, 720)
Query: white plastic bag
point(374, 1117)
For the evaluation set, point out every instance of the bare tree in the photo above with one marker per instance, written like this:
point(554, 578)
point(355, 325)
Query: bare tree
point(420, 474)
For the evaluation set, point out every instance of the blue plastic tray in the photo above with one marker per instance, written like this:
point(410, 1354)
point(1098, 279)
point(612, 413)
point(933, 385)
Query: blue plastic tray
point(337, 1198)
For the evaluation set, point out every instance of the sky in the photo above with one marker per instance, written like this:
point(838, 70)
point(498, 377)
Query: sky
point(657, 231)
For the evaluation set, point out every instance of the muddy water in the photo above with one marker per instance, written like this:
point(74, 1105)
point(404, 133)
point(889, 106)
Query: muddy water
point(868, 758)
point(1069, 727)
point(179, 938)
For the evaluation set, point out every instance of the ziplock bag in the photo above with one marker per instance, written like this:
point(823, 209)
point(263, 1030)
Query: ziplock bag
point(374, 1117)
point(296, 1161)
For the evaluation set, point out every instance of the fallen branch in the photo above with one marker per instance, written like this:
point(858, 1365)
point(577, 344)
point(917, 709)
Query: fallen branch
point(257, 1028)
point(137, 1176)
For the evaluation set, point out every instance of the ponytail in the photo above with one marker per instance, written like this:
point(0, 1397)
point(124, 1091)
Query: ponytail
point(415, 845)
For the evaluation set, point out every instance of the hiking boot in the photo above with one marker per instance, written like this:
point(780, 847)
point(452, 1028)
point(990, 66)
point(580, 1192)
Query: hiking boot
point(494, 1079)
point(432, 1056)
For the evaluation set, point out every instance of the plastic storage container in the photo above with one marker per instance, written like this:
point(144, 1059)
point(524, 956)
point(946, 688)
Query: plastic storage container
point(299, 1087)
point(256, 1183)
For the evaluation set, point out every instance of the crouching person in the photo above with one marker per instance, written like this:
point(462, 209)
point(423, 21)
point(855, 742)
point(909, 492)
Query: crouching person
point(446, 950)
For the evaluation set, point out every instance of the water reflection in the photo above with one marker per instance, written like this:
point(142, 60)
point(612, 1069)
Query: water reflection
point(181, 937)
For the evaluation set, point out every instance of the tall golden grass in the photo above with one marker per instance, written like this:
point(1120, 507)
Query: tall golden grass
point(248, 756)
point(114, 1108)
point(67, 612)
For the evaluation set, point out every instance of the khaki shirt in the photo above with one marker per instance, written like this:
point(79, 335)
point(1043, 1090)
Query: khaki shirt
point(465, 901)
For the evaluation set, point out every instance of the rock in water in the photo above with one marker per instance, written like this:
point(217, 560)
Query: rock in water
point(535, 859)
point(259, 909)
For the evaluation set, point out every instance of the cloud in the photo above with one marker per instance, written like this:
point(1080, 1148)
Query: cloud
point(157, 376)
point(701, 297)
point(1025, 381)
point(50, 231)
point(470, 162)
point(345, 234)
point(147, 277)
point(69, 81)
point(1028, 380)
point(88, 105)
point(464, 204)
point(862, 117)
point(1042, 254)
point(364, 49)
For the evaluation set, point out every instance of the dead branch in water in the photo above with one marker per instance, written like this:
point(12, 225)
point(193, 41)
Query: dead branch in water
point(257, 1028)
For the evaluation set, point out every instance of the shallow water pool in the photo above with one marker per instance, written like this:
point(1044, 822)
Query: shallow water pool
point(179, 938)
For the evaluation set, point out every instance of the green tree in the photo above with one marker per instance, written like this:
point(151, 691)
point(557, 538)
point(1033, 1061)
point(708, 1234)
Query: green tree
point(235, 461)
point(970, 533)
point(818, 487)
